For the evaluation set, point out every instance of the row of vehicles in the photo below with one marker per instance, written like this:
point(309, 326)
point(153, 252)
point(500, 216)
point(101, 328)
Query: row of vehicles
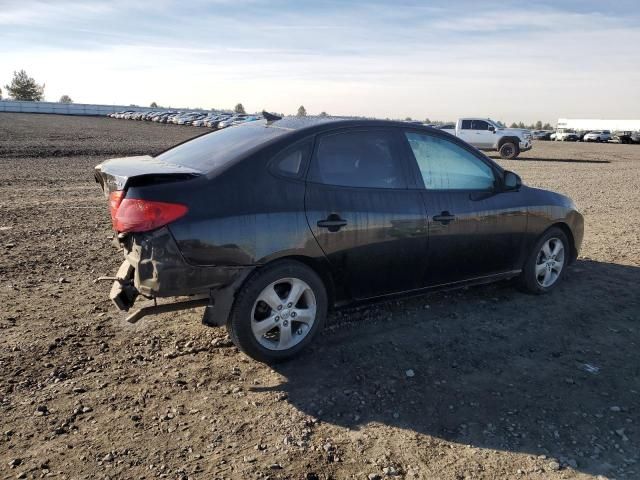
point(598, 136)
point(196, 119)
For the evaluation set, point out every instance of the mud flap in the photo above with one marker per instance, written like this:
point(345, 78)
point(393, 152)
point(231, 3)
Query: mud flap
point(123, 294)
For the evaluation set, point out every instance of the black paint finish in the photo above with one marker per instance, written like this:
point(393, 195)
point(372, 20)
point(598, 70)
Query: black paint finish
point(365, 242)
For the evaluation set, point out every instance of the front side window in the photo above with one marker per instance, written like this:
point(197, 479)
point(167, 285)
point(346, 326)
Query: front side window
point(447, 166)
point(357, 159)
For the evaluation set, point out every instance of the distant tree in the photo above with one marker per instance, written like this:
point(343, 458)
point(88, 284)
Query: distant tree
point(547, 126)
point(521, 125)
point(23, 87)
point(302, 112)
point(65, 99)
point(323, 114)
point(426, 120)
point(408, 119)
point(0, 94)
point(239, 108)
point(539, 125)
point(153, 105)
point(514, 125)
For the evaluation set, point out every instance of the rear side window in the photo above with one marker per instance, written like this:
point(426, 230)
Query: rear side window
point(466, 125)
point(213, 150)
point(479, 125)
point(358, 159)
point(291, 161)
point(447, 166)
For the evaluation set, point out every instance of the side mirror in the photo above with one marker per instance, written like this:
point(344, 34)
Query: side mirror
point(492, 128)
point(511, 181)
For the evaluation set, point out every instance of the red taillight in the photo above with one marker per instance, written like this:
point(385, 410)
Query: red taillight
point(115, 198)
point(134, 215)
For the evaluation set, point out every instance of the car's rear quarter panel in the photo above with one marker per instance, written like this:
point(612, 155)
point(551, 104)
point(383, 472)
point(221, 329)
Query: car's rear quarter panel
point(246, 216)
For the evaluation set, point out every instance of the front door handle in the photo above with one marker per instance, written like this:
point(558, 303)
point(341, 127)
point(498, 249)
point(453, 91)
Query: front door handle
point(333, 222)
point(444, 218)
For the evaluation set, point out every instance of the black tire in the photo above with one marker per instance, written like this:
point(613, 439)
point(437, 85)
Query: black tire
point(509, 150)
point(239, 322)
point(528, 280)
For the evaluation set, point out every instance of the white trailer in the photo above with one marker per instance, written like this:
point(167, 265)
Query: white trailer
point(591, 124)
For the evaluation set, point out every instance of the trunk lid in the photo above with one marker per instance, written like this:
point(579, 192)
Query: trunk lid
point(122, 173)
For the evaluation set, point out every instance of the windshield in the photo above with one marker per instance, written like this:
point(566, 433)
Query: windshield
point(495, 124)
point(213, 150)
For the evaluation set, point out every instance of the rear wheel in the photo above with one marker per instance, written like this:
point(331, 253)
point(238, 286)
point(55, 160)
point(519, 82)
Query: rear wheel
point(546, 263)
point(509, 150)
point(278, 312)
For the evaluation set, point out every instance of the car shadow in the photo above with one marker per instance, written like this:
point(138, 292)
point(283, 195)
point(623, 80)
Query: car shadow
point(491, 367)
point(560, 160)
point(555, 160)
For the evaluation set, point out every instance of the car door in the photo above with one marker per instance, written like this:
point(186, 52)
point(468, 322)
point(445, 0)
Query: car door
point(475, 228)
point(483, 136)
point(371, 227)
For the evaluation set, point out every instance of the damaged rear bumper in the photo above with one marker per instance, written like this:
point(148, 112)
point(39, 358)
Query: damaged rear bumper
point(154, 268)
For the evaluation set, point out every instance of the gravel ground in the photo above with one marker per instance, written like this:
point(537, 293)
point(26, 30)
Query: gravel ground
point(481, 383)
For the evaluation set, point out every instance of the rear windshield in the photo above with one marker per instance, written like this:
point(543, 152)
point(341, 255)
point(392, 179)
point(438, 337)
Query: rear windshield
point(213, 150)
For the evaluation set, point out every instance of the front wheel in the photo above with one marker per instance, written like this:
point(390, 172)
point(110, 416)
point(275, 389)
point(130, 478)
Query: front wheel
point(509, 150)
point(546, 263)
point(278, 312)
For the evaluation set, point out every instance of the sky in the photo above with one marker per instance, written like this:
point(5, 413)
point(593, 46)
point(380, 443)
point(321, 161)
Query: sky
point(508, 60)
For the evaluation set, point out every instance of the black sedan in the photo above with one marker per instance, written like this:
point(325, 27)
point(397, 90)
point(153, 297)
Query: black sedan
point(272, 223)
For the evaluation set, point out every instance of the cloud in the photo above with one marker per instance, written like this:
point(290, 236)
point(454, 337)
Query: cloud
point(510, 60)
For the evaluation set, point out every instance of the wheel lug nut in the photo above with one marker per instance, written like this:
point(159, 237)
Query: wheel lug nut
point(277, 319)
point(279, 307)
point(293, 314)
point(289, 305)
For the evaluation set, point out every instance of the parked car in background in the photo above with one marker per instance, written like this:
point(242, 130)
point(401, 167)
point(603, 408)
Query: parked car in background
point(598, 136)
point(201, 122)
point(188, 119)
point(229, 121)
point(249, 118)
point(541, 134)
point(622, 136)
point(485, 134)
point(214, 122)
point(123, 114)
point(581, 134)
point(566, 135)
point(272, 223)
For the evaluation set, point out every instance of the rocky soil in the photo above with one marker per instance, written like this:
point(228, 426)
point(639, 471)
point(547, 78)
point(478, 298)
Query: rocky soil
point(481, 383)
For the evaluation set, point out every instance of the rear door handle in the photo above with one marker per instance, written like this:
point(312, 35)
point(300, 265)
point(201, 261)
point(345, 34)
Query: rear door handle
point(444, 218)
point(333, 222)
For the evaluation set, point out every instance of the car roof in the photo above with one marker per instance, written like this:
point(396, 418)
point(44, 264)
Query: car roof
point(326, 123)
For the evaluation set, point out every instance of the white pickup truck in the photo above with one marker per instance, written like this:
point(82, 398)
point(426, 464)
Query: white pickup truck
point(485, 134)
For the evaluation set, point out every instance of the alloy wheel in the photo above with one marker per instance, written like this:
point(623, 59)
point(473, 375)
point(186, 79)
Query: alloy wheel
point(549, 262)
point(283, 314)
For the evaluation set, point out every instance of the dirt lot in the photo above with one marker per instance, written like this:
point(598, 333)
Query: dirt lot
point(504, 384)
